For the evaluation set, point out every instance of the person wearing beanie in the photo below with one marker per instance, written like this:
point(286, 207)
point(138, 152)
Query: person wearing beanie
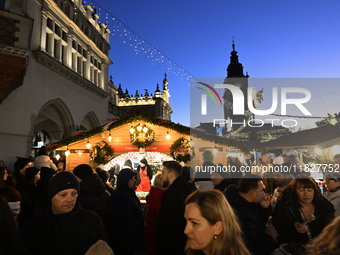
point(93, 195)
point(43, 159)
point(20, 167)
point(61, 225)
point(220, 178)
point(128, 164)
point(128, 218)
point(332, 181)
point(145, 172)
point(82, 171)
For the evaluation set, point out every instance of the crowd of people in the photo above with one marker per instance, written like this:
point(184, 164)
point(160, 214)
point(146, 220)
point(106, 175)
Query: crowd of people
point(47, 210)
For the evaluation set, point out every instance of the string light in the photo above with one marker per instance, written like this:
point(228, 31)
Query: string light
point(167, 135)
point(132, 130)
point(139, 128)
point(109, 138)
point(67, 152)
point(145, 129)
point(57, 156)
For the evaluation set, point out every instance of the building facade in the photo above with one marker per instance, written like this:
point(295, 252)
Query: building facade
point(54, 66)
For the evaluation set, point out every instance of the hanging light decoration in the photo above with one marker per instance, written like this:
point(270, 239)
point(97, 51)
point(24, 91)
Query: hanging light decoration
point(132, 130)
point(67, 152)
point(57, 156)
point(167, 135)
point(215, 150)
point(191, 143)
point(139, 128)
point(88, 145)
point(80, 152)
point(145, 129)
point(109, 138)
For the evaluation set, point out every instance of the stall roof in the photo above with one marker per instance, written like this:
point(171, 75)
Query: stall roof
point(323, 137)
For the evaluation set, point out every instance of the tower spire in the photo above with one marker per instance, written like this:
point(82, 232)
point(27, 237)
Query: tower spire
point(235, 69)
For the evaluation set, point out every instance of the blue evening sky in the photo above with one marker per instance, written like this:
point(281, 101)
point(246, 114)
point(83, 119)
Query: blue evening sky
point(274, 39)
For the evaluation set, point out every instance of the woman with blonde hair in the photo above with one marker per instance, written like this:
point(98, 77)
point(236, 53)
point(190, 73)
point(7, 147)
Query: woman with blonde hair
point(212, 227)
point(328, 242)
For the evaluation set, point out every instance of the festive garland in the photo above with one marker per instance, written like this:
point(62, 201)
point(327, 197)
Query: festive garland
point(101, 153)
point(149, 137)
point(177, 146)
point(128, 120)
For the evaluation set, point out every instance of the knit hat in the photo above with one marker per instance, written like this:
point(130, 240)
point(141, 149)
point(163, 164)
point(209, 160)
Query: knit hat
point(333, 176)
point(143, 160)
point(128, 163)
point(30, 173)
point(82, 171)
point(46, 173)
point(21, 163)
point(42, 151)
point(61, 181)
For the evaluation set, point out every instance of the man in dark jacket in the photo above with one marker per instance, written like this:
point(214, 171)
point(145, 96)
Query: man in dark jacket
point(61, 225)
point(128, 217)
point(252, 207)
point(170, 222)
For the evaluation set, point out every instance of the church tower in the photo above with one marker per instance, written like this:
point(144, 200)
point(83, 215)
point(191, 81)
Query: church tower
point(235, 77)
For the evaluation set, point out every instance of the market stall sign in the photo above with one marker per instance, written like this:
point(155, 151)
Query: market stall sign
point(127, 148)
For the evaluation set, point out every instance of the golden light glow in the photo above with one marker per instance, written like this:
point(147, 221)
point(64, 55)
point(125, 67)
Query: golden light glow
point(167, 135)
point(191, 143)
point(57, 156)
point(67, 152)
point(318, 151)
point(88, 145)
point(145, 129)
point(139, 128)
point(109, 138)
point(132, 130)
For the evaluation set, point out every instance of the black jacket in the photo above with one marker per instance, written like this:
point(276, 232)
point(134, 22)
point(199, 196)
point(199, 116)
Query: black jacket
point(68, 234)
point(223, 184)
point(253, 219)
point(93, 196)
point(128, 219)
point(170, 222)
point(284, 219)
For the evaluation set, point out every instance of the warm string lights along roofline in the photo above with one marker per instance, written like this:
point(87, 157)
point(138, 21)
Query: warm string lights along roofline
point(140, 45)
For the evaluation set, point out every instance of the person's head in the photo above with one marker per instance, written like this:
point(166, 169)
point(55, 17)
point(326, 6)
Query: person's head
point(157, 181)
point(251, 188)
point(171, 170)
point(304, 191)
point(103, 175)
point(42, 151)
point(282, 177)
point(63, 192)
point(3, 175)
point(2, 163)
point(32, 175)
point(143, 162)
point(22, 164)
point(128, 164)
point(46, 173)
point(265, 156)
point(82, 171)
point(211, 224)
point(332, 180)
point(292, 159)
point(336, 159)
point(328, 241)
point(126, 179)
point(278, 160)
